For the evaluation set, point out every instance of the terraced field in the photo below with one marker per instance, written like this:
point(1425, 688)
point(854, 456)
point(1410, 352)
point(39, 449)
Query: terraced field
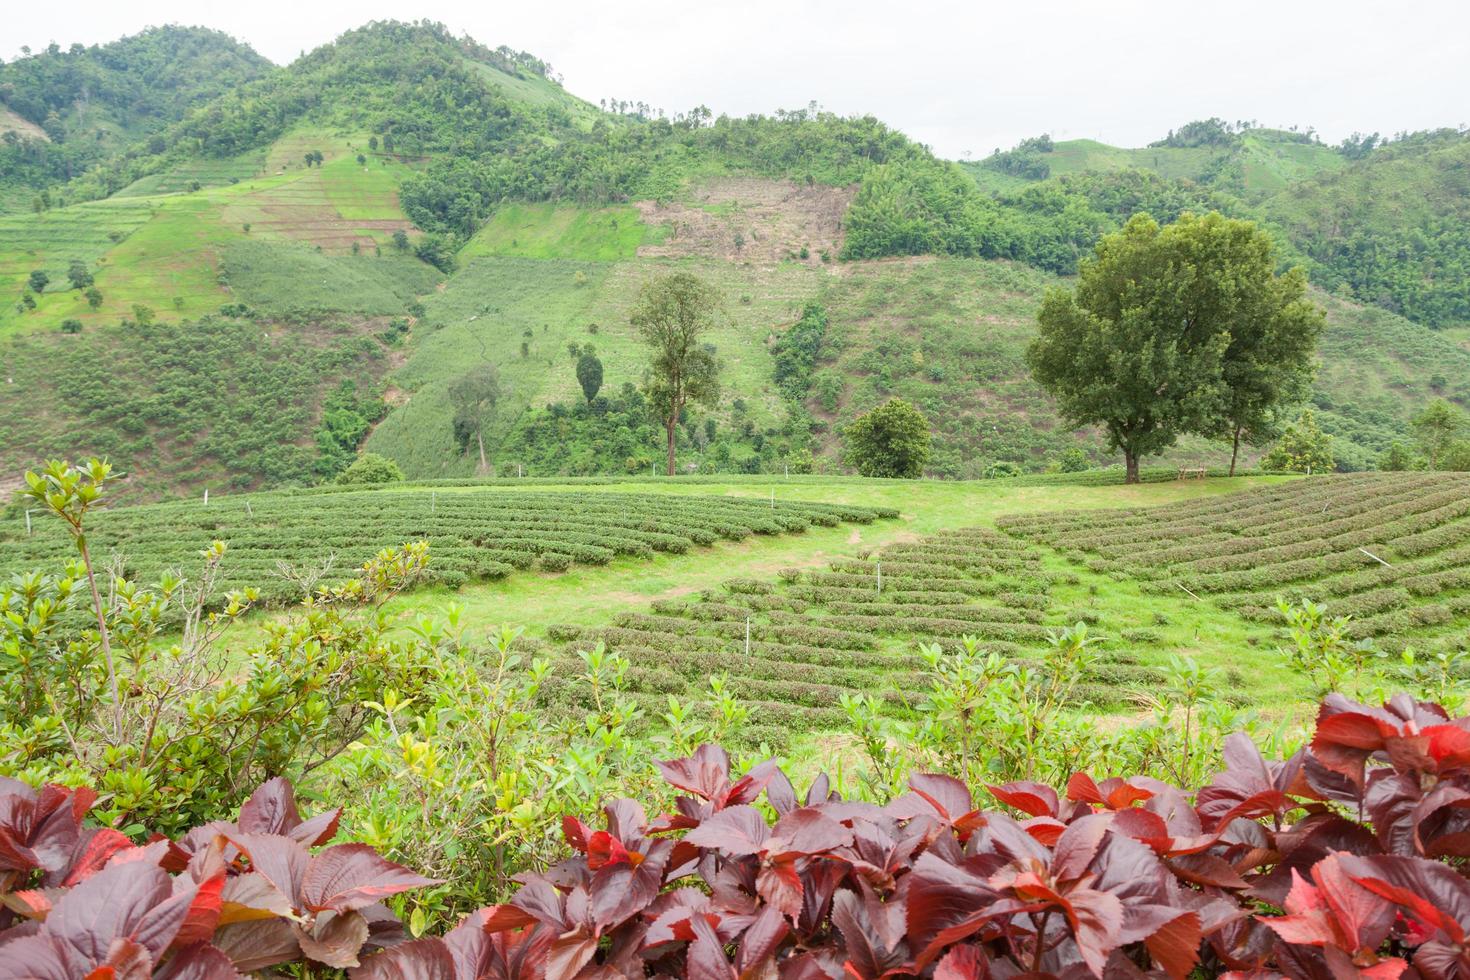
point(336, 205)
point(471, 535)
point(795, 647)
point(1390, 550)
point(51, 241)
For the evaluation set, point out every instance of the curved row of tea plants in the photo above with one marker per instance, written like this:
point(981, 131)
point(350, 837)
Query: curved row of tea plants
point(798, 649)
point(1389, 550)
point(279, 541)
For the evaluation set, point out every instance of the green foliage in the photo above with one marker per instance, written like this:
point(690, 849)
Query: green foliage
point(94, 101)
point(1396, 458)
point(348, 414)
point(672, 315)
point(1302, 448)
point(1025, 159)
point(438, 250)
point(166, 733)
point(1201, 132)
point(796, 351)
point(38, 280)
point(1074, 460)
point(1390, 229)
point(370, 468)
point(79, 275)
point(475, 396)
point(220, 401)
point(1436, 428)
point(1112, 353)
point(71, 326)
point(890, 441)
point(632, 158)
point(589, 373)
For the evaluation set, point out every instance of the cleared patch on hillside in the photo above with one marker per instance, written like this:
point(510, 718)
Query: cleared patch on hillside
point(282, 277)
point(749, 219)
point(10, 122)
point(557, 231)
point(192, 175)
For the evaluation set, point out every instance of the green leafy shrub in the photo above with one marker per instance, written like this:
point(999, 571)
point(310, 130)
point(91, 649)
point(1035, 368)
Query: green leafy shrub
point(370, 468)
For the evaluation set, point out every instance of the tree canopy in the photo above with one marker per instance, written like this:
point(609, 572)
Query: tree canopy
point(890, 441)
point(672, 316)
point(474, 396)
point(1173, 330)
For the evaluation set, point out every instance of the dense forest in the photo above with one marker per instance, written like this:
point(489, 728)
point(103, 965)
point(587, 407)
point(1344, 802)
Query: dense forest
point(92, 102)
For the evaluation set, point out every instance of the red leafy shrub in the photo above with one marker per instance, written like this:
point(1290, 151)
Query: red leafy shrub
point(225, 899)
point(1342, 861)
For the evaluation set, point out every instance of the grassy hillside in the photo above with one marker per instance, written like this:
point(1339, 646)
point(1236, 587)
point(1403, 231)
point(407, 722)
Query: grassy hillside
point(1259, 163)
point(946, 333)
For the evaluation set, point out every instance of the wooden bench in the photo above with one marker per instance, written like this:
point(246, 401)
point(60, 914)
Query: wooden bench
point(1192, 472)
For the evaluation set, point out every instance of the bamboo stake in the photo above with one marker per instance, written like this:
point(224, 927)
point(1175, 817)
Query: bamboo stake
point(1375, 557)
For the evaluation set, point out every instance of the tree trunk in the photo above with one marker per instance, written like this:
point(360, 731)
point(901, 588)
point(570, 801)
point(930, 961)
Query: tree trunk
point(1130, 461)
point(1235, 451)
point(480, 439)
point(669, 425)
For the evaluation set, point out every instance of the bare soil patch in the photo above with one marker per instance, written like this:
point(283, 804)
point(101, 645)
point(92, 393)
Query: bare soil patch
point(750, 219)
point(10, 122)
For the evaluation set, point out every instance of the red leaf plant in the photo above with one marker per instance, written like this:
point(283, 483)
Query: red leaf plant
point(1342, 861)
point(1330, 864)
point(226, 899)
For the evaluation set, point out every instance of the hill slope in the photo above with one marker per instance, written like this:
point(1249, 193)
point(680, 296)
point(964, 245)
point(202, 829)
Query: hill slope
point(403, 205)
point(70, 109)
point(1380, 221)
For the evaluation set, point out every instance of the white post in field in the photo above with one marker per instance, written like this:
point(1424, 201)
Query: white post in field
point(206, 496)
point(28, 523)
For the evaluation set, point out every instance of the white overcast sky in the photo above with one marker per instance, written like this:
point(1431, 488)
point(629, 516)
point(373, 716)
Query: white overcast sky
point(960, 76)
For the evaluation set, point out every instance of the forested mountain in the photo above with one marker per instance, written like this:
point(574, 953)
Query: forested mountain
point(404, 203)
point(1379, 220)
point(64, 110)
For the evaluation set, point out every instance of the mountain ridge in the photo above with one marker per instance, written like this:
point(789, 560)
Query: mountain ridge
point(442, 202)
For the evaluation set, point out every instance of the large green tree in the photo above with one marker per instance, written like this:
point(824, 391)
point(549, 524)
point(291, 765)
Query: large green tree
point(1302, 448)
point(1146, 346)
point(589, 373)
point(1436, 428)
point(892, 440)
point(474, 396)
point(1270, 360)
point(672, 316)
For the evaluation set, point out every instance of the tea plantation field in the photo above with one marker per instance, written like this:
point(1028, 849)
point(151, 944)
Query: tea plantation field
point(1389, 550)
point(808, 593)
point(277, 538)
